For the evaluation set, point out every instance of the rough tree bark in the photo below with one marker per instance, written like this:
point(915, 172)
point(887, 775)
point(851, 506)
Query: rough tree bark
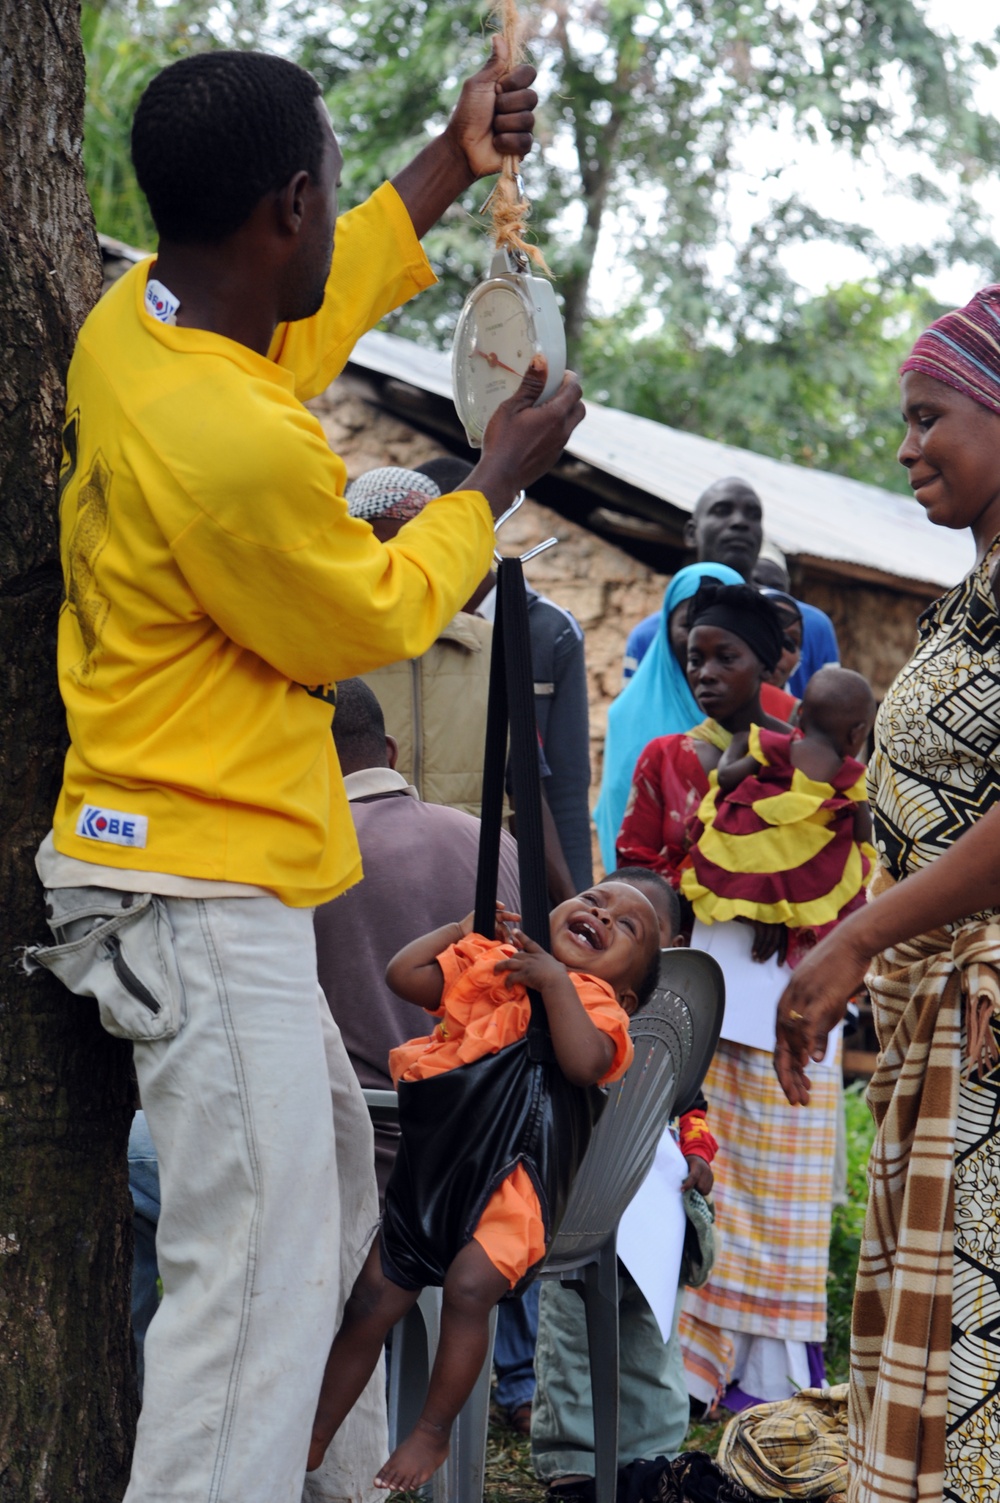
point(67, 1391)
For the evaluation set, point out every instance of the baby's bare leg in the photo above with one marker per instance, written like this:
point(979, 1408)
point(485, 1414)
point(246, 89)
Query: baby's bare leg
point(374, 1306)
point(471, 1289)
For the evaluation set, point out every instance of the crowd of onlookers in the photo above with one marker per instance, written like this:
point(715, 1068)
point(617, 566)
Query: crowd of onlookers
point(216, 591)
point(711, 685)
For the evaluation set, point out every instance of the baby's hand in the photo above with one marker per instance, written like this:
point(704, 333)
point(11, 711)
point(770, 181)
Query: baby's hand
point(768, 940)
point(507, 922)
point(531, 966)
point(737, 748)
point(700, 1176)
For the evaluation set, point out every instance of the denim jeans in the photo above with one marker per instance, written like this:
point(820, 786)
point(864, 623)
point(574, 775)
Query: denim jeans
point(267, 1187)
point(653, 1410)
point(514, 1349)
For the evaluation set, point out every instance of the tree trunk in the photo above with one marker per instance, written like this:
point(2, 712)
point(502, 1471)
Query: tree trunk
point(67, 1390)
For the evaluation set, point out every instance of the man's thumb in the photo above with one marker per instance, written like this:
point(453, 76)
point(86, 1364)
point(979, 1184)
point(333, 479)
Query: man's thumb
point(499, 59)
point(532, 383)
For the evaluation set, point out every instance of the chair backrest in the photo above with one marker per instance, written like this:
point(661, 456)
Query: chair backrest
point(674, 1037)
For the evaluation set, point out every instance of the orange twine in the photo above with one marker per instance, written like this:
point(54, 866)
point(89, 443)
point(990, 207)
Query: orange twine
point(509, 206)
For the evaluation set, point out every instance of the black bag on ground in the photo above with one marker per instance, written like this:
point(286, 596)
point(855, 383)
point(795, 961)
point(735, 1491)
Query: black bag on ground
point(464, 1131)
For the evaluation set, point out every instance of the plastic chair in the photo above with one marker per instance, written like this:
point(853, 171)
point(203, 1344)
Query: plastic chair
point(675, 1037)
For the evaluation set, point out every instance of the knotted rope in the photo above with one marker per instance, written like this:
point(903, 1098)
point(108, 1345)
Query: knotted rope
point(510, 208)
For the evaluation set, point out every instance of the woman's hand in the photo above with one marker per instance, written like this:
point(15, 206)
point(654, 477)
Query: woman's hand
point(700, 1176)
point(813, 1002)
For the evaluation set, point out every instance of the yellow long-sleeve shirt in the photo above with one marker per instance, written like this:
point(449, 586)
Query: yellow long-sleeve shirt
point(212, 571)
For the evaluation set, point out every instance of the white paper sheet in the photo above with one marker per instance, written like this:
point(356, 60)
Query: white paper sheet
point(651, 1233)
point(753, 988)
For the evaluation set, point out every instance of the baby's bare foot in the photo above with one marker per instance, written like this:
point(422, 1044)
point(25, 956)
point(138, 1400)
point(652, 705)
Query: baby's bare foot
point(417, 1459)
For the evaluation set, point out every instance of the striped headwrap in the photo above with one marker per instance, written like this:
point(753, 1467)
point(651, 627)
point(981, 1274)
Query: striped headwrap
point(962, 349)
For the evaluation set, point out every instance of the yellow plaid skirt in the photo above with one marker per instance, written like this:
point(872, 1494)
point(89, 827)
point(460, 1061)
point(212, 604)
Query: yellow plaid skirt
point(773, 1200)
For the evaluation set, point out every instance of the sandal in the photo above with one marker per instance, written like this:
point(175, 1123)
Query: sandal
point(518, 1419)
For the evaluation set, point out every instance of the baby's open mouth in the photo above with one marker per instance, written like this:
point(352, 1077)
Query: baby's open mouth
point(586, 932)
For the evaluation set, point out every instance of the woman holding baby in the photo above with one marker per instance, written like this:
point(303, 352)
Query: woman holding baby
point(783, 828)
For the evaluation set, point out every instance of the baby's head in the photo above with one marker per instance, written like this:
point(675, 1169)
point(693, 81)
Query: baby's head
point(666, 903)
point(611, 931)
point(838, 707)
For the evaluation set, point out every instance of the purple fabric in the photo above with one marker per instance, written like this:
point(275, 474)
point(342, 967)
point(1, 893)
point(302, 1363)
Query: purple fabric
point(737, 1399)
point(962, 349)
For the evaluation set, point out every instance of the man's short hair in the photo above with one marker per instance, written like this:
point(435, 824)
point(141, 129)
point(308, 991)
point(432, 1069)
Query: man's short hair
point(358, 726)
point(448, 472)
point(215, 132)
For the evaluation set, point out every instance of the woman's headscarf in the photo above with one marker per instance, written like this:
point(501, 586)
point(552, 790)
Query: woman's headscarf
point(962, 349)
point(745, 613)
point(656, 701)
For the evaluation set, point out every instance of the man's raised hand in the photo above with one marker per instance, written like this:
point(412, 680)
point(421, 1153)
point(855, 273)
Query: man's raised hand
point(494, 117)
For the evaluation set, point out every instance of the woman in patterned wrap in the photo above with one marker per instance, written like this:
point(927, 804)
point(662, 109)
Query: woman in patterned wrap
point(925, 1348)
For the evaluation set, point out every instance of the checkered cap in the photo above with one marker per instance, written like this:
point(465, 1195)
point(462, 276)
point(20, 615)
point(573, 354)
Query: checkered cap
point(390, 492)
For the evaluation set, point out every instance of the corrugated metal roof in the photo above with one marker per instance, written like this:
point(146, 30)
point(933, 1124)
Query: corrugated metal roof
point(806, 511)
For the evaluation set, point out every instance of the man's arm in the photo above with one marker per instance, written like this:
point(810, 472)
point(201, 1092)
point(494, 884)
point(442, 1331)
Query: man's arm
point(494, 118)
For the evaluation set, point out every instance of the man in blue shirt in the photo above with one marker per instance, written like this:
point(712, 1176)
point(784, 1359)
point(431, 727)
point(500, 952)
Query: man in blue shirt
point(727, 527)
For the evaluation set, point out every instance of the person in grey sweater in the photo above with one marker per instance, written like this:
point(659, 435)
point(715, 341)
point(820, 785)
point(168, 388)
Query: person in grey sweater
point(559, 669)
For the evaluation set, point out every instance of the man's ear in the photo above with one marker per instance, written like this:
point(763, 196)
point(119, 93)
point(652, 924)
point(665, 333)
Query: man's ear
point(290, 203)
point(391, 752)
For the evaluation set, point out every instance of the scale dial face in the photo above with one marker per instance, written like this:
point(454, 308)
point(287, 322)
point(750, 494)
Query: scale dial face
point(494, 345)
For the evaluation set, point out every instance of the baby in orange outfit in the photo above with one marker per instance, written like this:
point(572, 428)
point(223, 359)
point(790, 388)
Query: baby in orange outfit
point(602, 967)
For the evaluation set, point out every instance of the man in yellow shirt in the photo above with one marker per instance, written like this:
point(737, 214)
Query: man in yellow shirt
point(215, 589)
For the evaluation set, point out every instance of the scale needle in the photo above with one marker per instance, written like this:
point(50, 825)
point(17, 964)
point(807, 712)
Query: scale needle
point(494, 360)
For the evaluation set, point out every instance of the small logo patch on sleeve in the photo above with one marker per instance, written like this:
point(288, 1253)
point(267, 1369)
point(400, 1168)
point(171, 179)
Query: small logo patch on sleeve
point(111, 826)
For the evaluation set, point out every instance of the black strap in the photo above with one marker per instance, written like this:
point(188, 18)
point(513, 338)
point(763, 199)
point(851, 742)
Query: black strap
point(512, 702)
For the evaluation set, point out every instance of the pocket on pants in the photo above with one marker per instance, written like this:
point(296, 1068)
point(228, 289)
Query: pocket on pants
point(119, 948)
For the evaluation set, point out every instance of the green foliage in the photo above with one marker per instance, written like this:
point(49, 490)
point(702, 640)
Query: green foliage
point(817, 388)
point(125, 43)
point(646, 108)
point(845, 1239)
